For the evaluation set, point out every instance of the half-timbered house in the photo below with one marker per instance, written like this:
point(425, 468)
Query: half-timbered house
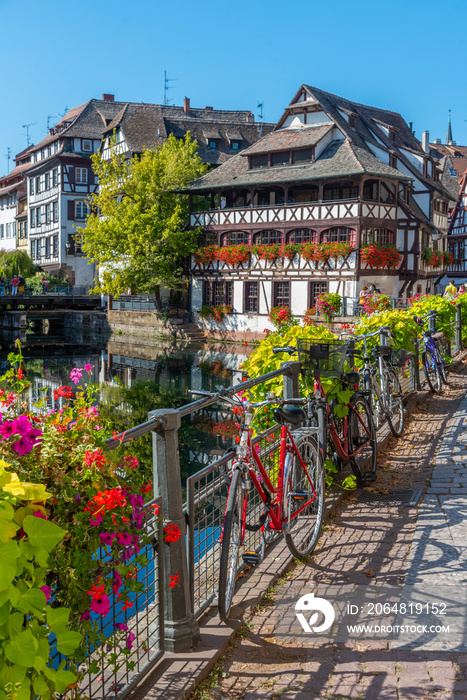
point(334, 195)
point(13, 225)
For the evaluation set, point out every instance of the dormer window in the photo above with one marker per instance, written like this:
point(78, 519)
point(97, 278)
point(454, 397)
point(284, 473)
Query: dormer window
point(304, 155)
point(392, 134)
point(235, 145)
point(213, 138)
point(352, 121)
point(393, 161)
point(260, 161)
point(212, 143)
point(86, 145)
point(279, 159)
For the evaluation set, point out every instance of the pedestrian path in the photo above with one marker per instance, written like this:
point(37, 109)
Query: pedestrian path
point(411, 551)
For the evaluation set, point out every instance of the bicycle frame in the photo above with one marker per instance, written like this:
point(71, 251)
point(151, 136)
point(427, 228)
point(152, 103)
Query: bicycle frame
point(277, 518)
point(340, 443)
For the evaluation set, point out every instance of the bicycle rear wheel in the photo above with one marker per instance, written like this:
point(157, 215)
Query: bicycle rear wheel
point(303, 524)
point(395, 404)
point(361, 440)
point(430, 368)
point(231, 543)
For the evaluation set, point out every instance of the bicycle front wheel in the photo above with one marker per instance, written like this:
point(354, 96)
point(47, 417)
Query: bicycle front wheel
point(395, 403)
point(231, 543)
point(430, 368)
point(361, 440)
point(303, 523)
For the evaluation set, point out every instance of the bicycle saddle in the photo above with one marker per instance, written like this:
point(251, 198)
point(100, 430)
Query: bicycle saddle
point(289, 414)
point(351, 377)
point(437, 335)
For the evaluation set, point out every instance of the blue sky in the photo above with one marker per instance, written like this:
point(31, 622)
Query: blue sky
point(403, 56)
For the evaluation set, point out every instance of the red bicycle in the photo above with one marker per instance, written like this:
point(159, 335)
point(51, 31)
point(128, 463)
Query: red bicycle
point(295, 506)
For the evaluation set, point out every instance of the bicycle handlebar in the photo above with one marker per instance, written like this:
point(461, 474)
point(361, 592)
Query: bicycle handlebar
point(290, 349)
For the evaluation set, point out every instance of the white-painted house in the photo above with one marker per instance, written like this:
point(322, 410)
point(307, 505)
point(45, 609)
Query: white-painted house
point(332, 172)
point(12, 203)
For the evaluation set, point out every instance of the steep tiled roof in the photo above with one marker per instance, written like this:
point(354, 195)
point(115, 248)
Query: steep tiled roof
point(339, 159)
point(285, 139)
point(146, 125)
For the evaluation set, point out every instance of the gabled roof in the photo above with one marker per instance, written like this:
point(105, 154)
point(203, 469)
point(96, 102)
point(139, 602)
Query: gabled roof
point(285, 139)
point(339, 159)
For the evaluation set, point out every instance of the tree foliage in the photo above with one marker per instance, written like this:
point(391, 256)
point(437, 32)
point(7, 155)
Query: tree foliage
point(136, 229)
point(16, 262)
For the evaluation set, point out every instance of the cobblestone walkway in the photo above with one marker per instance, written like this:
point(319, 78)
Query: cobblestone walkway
point(374, 546)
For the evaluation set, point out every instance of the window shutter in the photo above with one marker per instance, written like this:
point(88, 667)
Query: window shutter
point(71, 174)
point(71, 210)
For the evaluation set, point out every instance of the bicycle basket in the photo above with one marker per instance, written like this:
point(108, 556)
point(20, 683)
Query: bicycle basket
point(399, 357)
point(327, 358)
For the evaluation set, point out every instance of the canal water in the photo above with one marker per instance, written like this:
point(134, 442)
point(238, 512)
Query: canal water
point(133, 379)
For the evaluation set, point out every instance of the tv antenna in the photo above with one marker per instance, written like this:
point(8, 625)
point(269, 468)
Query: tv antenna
point(65, 111)
point(260, 106)
point(26, 126)
point(8, 157)
point(49, 117)
point(167, 87)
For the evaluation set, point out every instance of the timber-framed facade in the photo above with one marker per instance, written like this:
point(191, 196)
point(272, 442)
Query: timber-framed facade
point(332, 172)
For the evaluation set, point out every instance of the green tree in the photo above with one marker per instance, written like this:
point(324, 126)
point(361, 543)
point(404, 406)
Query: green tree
point(136, 229)
point(16, 262)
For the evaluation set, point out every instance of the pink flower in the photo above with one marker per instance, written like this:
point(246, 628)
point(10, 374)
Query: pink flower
point(23, 446)
point(76, 374)
point(46, 590)
point(106, 537)
point(22, 425)
point(39, 514)
point(120, 626)
point(88, 367)
point(124, 538)
point(117, 582)
point(85, 616)
point(95, 519)
point(101, 604)
point(129, 640)
point(7, 429)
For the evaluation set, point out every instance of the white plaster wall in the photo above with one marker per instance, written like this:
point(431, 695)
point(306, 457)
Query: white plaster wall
point(416, 161)
point(7, 216)
point(379, 153)
point(299, 297)
point(295, 120)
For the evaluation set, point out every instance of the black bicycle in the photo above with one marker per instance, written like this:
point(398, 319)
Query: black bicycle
point(433, 363)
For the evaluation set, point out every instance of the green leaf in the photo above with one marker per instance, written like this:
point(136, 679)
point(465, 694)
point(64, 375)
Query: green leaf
point(63, 679)
point(14, 624)
point(4, 613)
point(8, 529)
point(57, 618)
point(350, 483)
point(42, 533)
point(341, 410)
point(68, 641)
point(33, 601)
point(6, 510)
point(22, 649)
point(9, 553)
point(40, 685)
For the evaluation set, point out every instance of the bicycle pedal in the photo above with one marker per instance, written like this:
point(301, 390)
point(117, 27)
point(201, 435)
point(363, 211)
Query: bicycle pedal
point(251, 557)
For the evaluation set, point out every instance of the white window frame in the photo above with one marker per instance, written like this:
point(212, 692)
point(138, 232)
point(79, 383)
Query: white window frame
point(81, 176)
point(81, 210)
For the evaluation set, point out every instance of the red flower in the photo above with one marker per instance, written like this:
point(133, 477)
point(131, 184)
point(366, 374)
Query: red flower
point(97, 457)
point(147, 488)
point(155, 508)
point(64, 391)
point(19, 374)
point(174, 581)
point(172, 532)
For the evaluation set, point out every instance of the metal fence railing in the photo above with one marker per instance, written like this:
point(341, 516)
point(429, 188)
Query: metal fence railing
point(117, 665)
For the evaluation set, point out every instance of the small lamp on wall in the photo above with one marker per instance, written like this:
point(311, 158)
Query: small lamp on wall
point(68, 247)
point(434, 235)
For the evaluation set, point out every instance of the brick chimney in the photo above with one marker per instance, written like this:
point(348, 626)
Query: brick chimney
point(108, 98)
point(209, 109)
point(186, 105)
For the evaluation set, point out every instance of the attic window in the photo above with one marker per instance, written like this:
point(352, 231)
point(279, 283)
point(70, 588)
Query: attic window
point(392, 135)
point(304, 155)
point(212, 143)
point(281, 158)
point(352, 121)
point(235, 145)
point(260, 161)
point(453, 172)
point(393, 162)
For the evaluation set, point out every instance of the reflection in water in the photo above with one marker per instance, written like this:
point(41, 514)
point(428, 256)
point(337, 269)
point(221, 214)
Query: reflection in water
point(132, 380)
